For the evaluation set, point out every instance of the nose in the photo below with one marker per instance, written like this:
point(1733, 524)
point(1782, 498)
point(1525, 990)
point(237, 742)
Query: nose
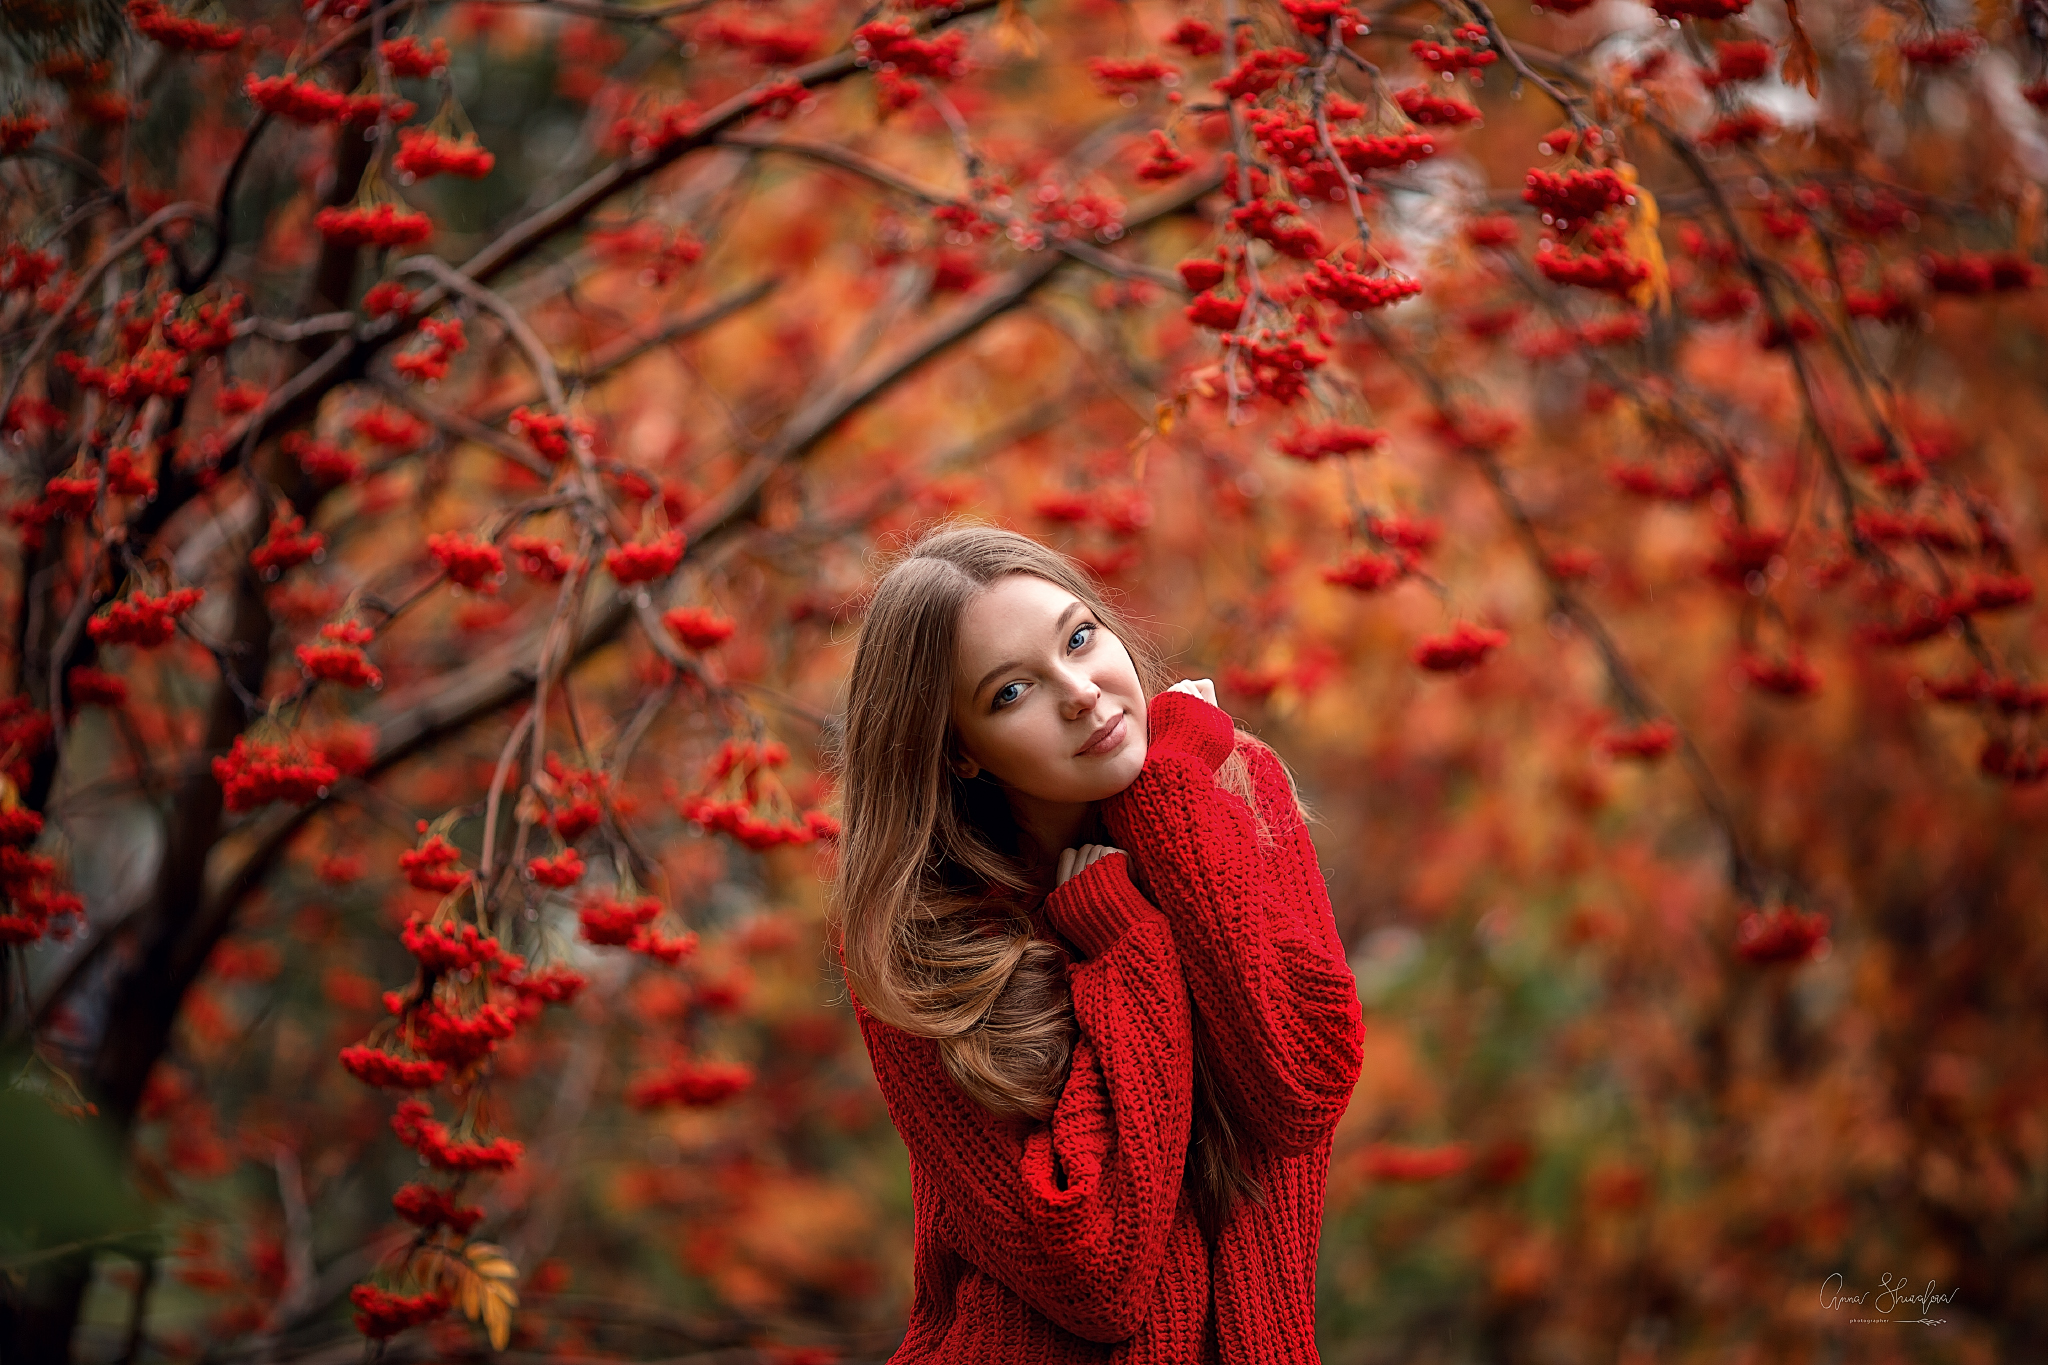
point(1082, 696)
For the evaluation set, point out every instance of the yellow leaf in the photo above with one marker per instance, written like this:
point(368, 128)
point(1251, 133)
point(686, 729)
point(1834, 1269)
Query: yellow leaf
point(472, 1297)
point(1881, 39)
point(1802, 63)
point(1646, 246)
point(1014, 32)
point(2027, 225)
point(498, 1322)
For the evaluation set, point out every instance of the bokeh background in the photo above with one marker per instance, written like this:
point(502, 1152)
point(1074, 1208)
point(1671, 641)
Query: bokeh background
point(1696, 914)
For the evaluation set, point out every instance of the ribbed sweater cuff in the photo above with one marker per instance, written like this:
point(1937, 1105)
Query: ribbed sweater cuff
point(1096, 905)
point(1183, 723)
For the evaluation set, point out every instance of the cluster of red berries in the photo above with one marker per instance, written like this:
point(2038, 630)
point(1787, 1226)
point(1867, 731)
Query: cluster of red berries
point(461, 1039)
point(423, 152)
point(1383, 152)
point(1610, 270)
point(431, 866)
point(288, 545)
point(17, 131)
point(211, 327)
point(254, 775)
point(1314, 17)
point(740, 820)
point(452, 948)
point(1699, 9)
point(1745, 550)
point(1259, 72)
point(389, 428)
point(1979, 272)
point(406, 57)
point(425, 1206)
point(1739, 129)
point(178, 33)
point(430, 362)
point(699, 628)
point(1941, 48)
point(382, 1314)
point(1410, 1165)
point(1402, 532)
point(1274, 222)
point(785, 45)
point(1279, 365)
point(1117, 76)
point(893, 47)
point(546, 432)
point(324, 462)
point(388, 298)
point(417, 1128)
point(576, 798)
point(1166, 161)
point(644, 561)
point(1427, 107)
point(1779, 935)
point(692, 1084)
point(613, 923)
point(341, 659)
point(1569, 198)
point(539, 557)
point(1449, 59)
point(375, 1067)
point(475, 564)
point(609, 922)
point(142, 620)
point(31, 905)
point(1310, 444)
point(1650, 740)
point(1215, 312)
point(1739, 61)
point(1354, 290)
point(1365, 571)
point(302, 101)
point(384, 224)
point(91, 686)
point(1458, 650)
point(563, 869)
point(1792, 677)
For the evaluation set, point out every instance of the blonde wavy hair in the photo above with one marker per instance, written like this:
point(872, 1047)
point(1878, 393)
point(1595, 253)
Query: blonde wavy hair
point(929, 900)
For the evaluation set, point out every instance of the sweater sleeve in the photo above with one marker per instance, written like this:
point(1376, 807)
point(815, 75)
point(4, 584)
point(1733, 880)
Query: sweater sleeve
point(1072, 1212)
point(1257, 939)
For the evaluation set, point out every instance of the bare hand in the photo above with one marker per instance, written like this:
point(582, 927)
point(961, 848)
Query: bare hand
point(1072, 860)
point(1196, 687)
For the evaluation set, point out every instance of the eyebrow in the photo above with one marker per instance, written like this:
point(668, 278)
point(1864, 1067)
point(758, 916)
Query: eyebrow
point(1002, 668)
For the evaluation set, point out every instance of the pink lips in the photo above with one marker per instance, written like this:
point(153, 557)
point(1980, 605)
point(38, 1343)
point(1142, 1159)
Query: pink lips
point(1104, 740)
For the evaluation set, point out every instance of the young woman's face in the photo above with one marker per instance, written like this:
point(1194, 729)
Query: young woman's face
point(1044, 697)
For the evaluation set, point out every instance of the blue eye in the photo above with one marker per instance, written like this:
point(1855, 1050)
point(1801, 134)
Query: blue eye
point(998, 702)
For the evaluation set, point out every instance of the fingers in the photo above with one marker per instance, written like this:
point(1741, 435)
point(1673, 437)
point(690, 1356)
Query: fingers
point(1072, 860)
point(1204, 688)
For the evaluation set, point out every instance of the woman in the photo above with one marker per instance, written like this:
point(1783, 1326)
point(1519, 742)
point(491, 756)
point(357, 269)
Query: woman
point(1116, 1068)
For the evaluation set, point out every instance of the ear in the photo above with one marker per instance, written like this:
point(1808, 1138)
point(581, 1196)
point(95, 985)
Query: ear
point(966, 767)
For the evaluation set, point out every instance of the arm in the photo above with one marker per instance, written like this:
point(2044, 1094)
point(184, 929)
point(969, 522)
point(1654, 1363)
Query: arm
point(1073, 1212)
point(1257, 939)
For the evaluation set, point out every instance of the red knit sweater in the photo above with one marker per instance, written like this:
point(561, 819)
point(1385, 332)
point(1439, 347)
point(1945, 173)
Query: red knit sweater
point(1071, 1238)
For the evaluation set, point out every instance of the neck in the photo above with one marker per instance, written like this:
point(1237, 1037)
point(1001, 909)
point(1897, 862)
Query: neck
point(1045, 829)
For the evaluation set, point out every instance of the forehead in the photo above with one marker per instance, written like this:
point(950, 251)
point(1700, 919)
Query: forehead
point(1005, 618)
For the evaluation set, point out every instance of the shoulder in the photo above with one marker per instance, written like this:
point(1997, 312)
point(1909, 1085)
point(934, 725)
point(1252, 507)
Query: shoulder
point(1269, 788)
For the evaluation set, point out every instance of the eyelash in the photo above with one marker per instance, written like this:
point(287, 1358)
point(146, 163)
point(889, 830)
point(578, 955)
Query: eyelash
point(997, 703)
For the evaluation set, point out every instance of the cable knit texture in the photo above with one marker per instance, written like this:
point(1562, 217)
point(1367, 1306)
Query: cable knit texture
point(1071, 1238)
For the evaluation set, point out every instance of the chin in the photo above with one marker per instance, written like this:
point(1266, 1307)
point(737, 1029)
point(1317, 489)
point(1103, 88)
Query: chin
point(1119, 773)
